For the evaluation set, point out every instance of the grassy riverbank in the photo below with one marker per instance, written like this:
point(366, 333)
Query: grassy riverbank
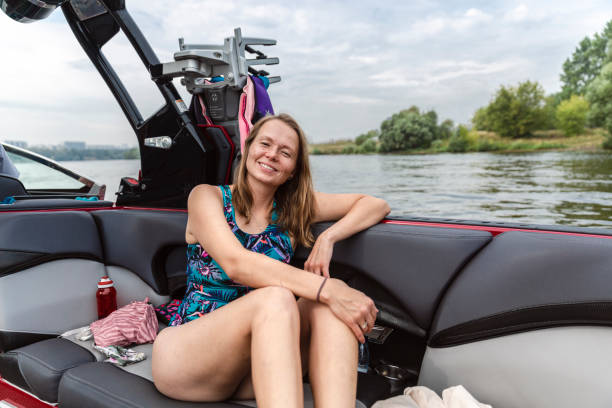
point(479, 141)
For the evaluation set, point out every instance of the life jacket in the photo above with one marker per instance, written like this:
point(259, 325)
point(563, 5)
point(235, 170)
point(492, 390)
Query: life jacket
point(226, 117)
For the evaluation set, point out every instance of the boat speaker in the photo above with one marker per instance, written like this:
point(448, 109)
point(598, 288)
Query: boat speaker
point(28, 11)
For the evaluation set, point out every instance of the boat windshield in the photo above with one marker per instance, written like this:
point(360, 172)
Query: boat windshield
point(37, 176)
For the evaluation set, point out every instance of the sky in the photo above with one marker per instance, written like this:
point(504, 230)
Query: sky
point(345, 66)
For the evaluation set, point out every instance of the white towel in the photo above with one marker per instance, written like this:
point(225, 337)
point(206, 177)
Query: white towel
point(423, 397)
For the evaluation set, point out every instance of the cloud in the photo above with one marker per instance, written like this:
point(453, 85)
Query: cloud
point(471, 18)
point(355, 99)
point(432, 26)
point(441, 71)
point(520, 13)
point(345, 67)
point(365, 59)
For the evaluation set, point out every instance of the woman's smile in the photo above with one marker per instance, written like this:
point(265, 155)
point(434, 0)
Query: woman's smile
point(267, 167)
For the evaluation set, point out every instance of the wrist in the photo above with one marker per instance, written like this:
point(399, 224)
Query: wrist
point(327, 236)
point(325, 293)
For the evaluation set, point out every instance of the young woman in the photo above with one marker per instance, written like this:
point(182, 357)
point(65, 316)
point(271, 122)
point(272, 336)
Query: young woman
point(241, 238)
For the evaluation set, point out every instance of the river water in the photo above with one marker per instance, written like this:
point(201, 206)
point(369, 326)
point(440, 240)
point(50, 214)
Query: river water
point(563, 188)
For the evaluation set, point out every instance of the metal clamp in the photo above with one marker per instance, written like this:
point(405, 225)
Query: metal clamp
point(197, 64)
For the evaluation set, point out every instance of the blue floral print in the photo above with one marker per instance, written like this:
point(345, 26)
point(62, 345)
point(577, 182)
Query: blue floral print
point(208, 286)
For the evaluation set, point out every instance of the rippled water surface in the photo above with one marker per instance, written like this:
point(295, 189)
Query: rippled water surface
point(543, 188)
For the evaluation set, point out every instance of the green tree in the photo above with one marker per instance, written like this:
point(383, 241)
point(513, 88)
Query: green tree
point(460, 142)
point(372, 134)
point(481, 119)
point(413, 109)
point(585, 63)
point(349, 149)
point(446, 129)
point(571, 115)
point(550, 110)
point(599, 95)
point(405, 130)
point(369, 146)
point(442, 131)
point(517, 111)
point(412, 129)
point(131, 154)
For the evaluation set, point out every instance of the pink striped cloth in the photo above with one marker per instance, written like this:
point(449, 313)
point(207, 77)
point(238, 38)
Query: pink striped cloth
point(133, 323)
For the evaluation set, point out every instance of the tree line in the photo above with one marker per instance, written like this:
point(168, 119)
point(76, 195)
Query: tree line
point(67, 154)
point(405, 130)
point(584, 101)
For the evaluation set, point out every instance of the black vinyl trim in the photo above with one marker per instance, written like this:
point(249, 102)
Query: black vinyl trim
point(99, 230)
point(372, 387)
point(43, 258)
point(522, 320)
point(454, 278)
point(10, 340)
point(10, 371)
point(10, 258)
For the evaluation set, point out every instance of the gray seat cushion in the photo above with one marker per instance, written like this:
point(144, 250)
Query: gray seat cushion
point(39, 367)
point(102, 385)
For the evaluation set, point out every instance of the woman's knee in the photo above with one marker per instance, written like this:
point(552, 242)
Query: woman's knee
point(320, 314)
point(276, 301)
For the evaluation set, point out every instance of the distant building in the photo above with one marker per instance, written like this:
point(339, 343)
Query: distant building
point(75, 145)
point(103, 147)
point(17, 143)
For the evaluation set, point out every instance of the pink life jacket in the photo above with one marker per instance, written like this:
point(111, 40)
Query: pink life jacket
point(246, 110)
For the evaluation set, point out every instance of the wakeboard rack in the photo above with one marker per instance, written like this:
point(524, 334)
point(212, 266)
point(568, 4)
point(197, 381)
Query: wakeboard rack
point(198, 64)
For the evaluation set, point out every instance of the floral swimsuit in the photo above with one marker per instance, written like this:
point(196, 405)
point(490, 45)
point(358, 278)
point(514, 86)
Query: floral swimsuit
point(208, 286)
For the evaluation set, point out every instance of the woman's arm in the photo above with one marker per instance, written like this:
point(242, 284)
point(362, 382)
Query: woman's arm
point(354, 212)
point(207, 225)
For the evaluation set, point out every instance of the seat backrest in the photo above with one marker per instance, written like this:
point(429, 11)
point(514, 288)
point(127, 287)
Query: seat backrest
point(524, 320)
point(10, 186)
point(50, 262)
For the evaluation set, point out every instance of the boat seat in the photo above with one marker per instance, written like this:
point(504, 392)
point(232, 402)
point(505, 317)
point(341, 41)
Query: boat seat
point(71, 372)
point(102, 385)
point(10, 186)
point(53, 248)
point(39, 367)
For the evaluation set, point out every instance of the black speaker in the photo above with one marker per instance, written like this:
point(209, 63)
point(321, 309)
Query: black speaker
point(28, 11)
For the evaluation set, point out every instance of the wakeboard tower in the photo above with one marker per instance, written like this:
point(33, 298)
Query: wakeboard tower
point(180, 145)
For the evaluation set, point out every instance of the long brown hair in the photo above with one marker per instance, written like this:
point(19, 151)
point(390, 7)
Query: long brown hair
point(295, 202)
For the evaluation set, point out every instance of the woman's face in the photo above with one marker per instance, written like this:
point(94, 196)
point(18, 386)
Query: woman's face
point(273, 154)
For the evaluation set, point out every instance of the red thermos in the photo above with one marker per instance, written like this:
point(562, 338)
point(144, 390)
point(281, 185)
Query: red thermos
point(106, 296)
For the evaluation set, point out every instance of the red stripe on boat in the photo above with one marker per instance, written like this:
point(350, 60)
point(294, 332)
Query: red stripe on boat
point(19, 398)
point(493, 230)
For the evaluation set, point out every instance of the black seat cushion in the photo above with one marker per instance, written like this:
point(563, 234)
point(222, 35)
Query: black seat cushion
point(527, 281)
point(39, 367)
point(102, 385)
point(10, 186)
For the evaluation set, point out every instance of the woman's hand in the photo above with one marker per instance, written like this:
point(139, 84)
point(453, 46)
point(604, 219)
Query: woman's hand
point(351, 306)
point(320, 256)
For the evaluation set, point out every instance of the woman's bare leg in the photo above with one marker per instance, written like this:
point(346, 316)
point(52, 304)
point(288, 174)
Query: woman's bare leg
point(208, 358)
point(275, 355)
point(332, 356)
